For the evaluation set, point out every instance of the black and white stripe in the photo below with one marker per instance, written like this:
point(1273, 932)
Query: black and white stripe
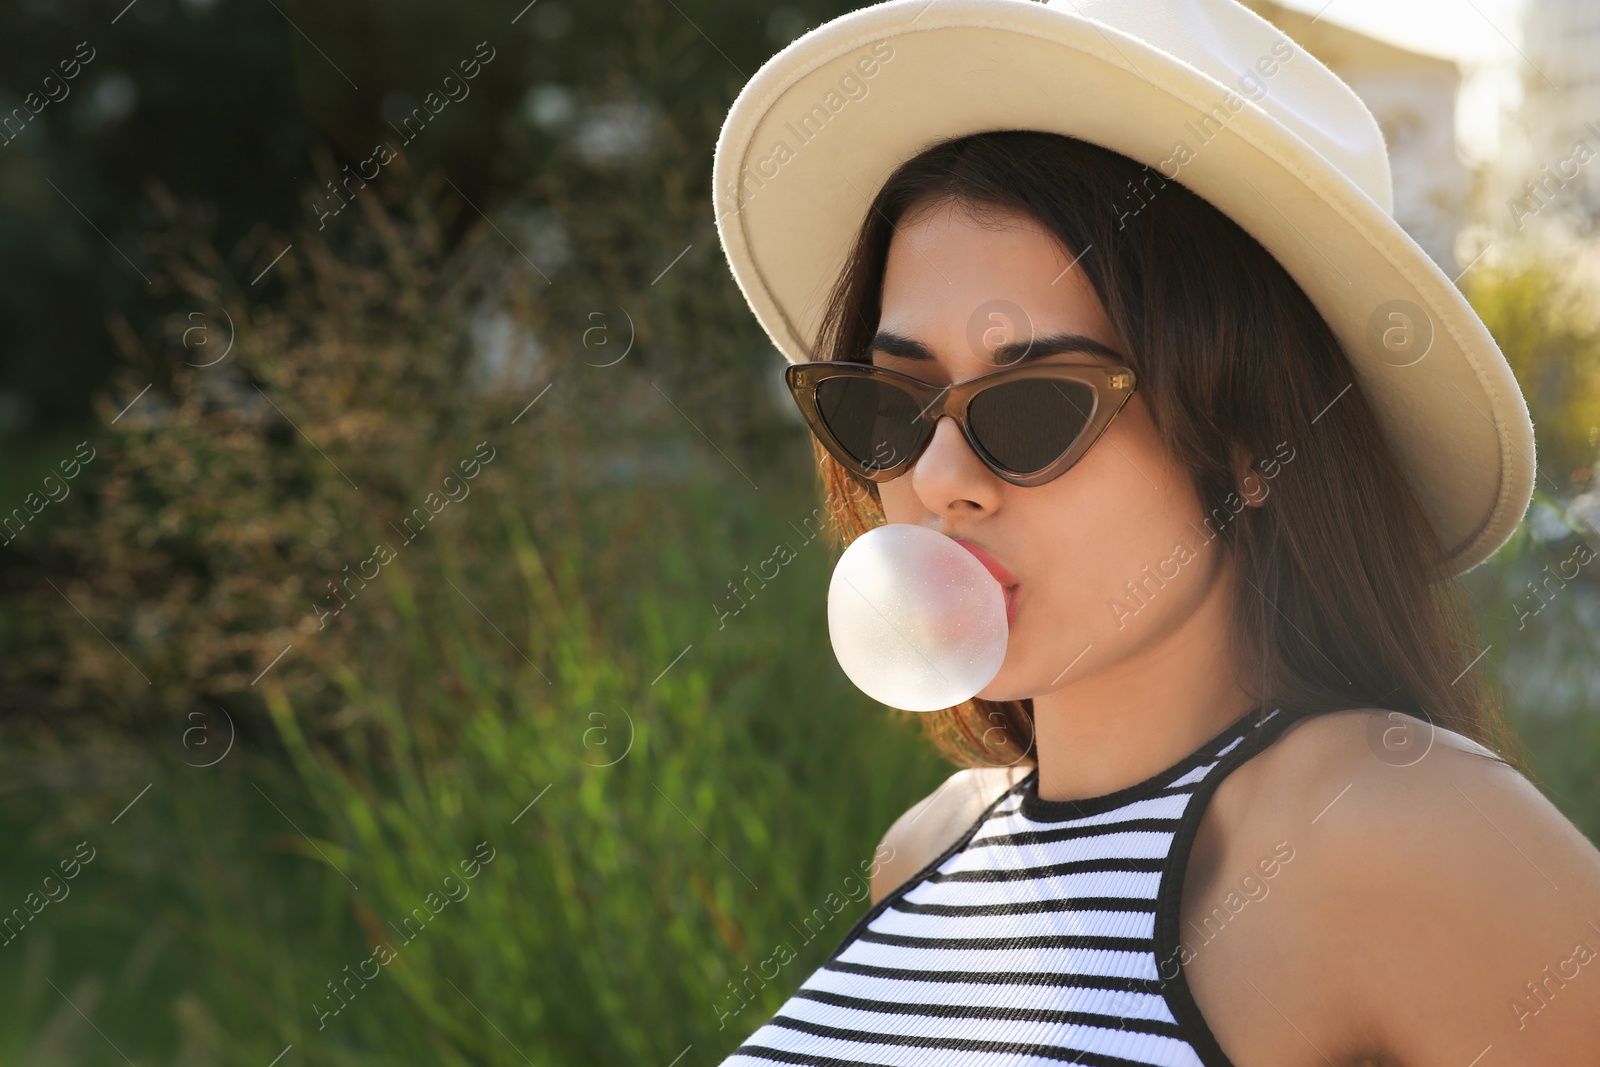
point(1032, 941)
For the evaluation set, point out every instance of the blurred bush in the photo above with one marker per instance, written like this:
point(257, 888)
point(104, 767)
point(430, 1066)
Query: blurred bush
point(1539, 596)
point(266, 449)
point(1545, 322)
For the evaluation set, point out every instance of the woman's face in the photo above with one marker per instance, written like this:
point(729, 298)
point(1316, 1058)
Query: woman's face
point(1073, 542)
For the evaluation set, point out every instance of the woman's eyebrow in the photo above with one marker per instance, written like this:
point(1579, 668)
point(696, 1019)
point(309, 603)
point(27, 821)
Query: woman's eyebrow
point(893, 344)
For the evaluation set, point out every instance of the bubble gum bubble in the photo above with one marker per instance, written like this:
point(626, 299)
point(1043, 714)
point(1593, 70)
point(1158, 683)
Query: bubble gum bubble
point(916, 621)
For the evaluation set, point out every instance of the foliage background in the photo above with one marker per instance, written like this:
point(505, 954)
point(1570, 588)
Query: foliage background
point(671, 797)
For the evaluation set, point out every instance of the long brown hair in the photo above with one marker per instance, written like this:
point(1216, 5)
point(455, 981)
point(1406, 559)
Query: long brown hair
point(1343, 596)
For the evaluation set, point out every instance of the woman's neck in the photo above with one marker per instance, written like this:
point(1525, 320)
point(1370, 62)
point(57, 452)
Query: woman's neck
point(1120, 723)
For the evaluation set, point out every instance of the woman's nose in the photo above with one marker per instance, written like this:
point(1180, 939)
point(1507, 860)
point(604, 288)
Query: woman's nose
point(950, 474)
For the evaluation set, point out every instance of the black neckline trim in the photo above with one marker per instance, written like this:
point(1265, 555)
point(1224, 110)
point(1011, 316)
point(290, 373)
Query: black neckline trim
point(1036, 809)
point(890, 899)
point(1174, 988)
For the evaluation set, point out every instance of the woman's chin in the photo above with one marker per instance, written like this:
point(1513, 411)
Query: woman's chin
point(1002, 688)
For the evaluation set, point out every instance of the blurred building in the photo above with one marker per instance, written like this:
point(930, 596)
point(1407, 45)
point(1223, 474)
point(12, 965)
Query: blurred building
point(1561, 111)
point(1413, 97)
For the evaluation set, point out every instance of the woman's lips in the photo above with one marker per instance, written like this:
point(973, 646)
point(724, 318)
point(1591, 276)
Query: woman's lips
point(1007, 580)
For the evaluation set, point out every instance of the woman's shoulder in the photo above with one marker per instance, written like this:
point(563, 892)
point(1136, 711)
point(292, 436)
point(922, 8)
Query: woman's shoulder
point(1373, 785)
point(1430, 879)
point(1376, 756)
point(935, 822)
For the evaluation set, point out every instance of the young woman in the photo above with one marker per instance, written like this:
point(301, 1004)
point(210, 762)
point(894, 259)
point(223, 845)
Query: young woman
point(1234, 796)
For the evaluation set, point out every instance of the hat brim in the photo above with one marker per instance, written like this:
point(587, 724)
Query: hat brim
point(788, 210)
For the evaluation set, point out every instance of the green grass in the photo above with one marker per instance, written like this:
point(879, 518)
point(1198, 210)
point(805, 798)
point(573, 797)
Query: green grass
point(616, 909)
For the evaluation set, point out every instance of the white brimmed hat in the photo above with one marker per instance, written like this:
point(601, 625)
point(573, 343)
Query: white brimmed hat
point(1205, 91)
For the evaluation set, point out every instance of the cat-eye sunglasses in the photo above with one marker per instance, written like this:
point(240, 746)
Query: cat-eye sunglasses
point(1028, 424)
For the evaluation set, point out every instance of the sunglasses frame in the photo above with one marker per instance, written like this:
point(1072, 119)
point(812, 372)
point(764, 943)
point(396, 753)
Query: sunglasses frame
point(1112, 387)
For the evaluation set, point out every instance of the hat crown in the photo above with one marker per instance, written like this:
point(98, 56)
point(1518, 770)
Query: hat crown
point(1205, 91)
point(1233, 45)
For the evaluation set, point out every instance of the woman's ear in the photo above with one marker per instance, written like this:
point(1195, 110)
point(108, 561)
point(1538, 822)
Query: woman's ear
point(1250, 485)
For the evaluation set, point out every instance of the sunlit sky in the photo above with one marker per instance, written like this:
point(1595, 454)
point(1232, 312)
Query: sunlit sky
point(1482, 35)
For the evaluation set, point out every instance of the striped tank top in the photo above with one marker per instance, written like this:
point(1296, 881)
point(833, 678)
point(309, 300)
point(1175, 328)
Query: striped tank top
point(1047, 934)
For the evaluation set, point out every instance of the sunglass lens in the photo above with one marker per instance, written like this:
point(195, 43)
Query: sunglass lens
point(876, 423)
point(1028, 424)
